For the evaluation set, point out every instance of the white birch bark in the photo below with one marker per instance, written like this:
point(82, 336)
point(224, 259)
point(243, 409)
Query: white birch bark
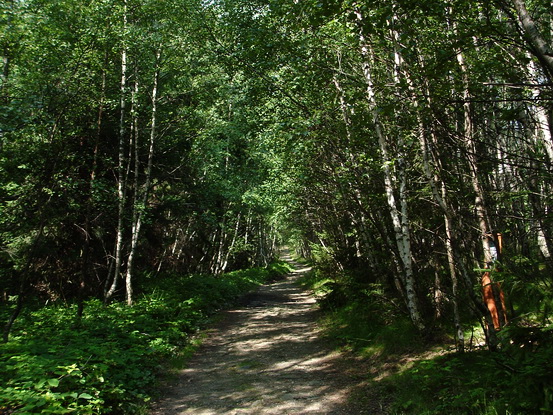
point(440, 197)
point(218, 257)
point(542, 135)
point(543, 127)
point(399, 214)
point(140, 205)
point(232, 243)
point(118, 254)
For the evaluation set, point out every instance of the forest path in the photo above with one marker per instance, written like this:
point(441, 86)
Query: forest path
point(264, 358)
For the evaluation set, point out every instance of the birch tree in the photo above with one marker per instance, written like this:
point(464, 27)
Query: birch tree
point(398, 210)
point(121, 160)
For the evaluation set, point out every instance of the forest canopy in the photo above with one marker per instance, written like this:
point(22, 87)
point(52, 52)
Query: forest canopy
point(403, 145)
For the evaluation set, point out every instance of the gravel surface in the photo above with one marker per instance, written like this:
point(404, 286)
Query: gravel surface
point(266, 357)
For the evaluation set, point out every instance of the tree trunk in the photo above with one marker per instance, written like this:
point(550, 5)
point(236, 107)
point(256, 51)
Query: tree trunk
point(134, 144)
point(121, 178)
point(6, 58)
point(538, 44)
point(494, 317)
point(440, 199)
point(9, 324)
point(140, 205)
point(217, 260)
point(431, 171)
point(232, 242)
point(541, 128)
point(399, 215)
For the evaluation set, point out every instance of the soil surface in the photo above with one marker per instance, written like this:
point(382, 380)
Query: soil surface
point(266, 357)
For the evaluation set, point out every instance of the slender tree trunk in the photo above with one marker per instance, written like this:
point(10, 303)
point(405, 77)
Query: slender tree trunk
point(539, 213)
point(248, 227)
point(139, 208)
point(496, 316)
point(11, 320)
point(121, 178)
point(538, 43)
point(5, 72)
point(440, 197)
point(399, 215)
point(217, 260)
point(262, 258)
point(231, 246)
point(431, 173)
point(356, 195)
point(6, 59)
point(343, 107)
point(541, 135)
point(134, 147)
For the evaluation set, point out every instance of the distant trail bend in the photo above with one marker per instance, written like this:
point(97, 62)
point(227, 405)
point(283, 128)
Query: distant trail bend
point(265, 358)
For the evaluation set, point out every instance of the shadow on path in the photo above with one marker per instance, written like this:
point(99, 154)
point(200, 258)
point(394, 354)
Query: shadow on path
point(266, 357)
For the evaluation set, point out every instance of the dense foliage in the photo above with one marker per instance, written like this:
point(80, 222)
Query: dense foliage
point(114, 360)
point(126, 143)
point(404, 147)
point(427, 153)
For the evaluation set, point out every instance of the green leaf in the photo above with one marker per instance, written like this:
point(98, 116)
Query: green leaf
point(54, 382)
point(85, 396)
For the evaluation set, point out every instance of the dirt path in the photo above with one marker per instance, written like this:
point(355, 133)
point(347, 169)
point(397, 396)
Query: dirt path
point(264, 358)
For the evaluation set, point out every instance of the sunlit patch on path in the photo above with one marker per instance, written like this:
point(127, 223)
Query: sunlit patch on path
point(265, 358)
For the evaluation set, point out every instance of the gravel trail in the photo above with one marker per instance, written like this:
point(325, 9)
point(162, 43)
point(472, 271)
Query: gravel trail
point(265, 358)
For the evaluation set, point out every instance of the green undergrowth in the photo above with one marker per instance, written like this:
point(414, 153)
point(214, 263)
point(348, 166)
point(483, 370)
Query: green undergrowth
point(408, 374)
point(113, 360)
point(512, 381)
point(363, 318)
